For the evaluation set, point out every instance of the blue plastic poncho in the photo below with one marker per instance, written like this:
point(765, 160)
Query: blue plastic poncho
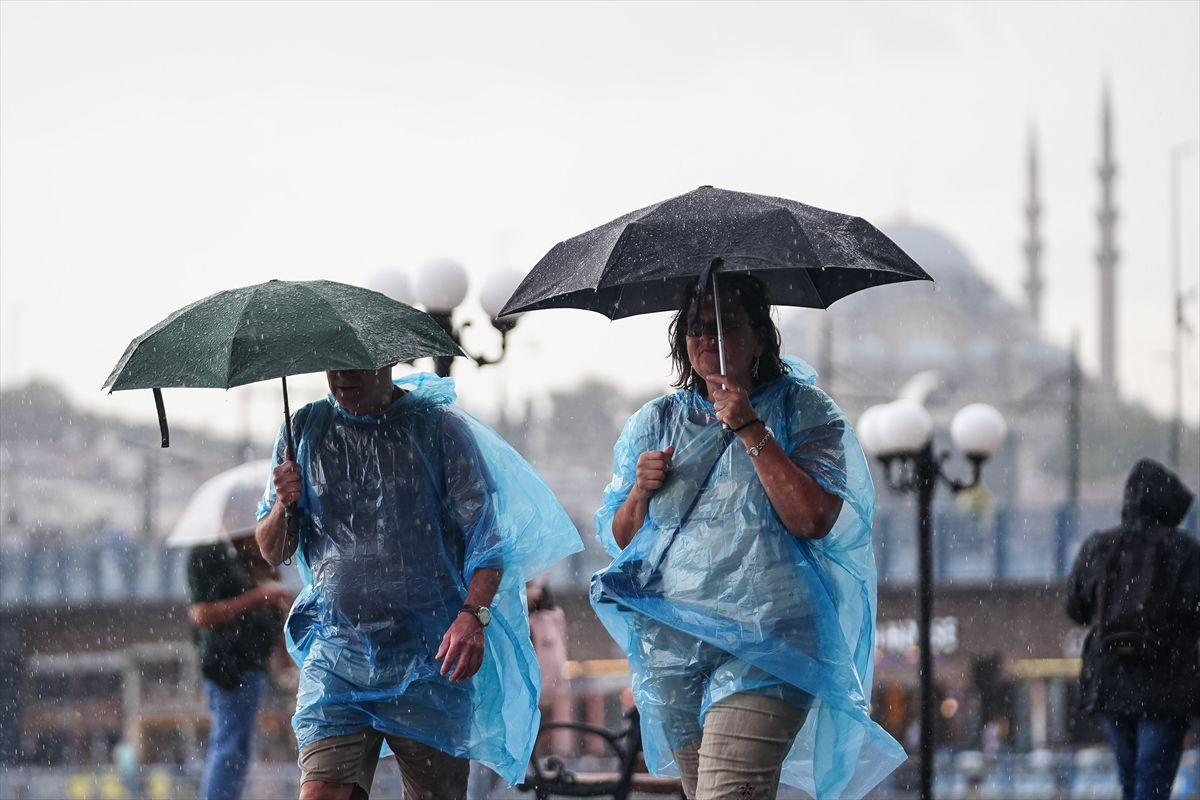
point(713, 596)
point(401, 509)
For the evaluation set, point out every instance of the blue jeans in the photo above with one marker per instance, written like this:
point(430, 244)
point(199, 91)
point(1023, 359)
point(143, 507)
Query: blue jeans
point(1147, 752)
point(234, 712)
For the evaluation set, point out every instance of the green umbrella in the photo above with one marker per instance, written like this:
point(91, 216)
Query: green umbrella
point(272, 330)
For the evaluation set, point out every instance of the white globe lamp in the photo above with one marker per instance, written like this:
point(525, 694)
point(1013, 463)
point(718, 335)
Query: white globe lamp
point(905, 427)
point(441, 285)
point(978, 429)
point(497, 288)
point(394, 283)
point(868, 430)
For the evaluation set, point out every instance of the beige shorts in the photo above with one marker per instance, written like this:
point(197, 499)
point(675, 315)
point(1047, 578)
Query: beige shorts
point(746, 738)
point(428, 773)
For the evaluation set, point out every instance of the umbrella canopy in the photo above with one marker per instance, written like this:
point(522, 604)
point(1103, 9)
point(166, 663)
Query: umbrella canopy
point(276, 329)
point(272, 330)
point(638, 263)
point(223, 508)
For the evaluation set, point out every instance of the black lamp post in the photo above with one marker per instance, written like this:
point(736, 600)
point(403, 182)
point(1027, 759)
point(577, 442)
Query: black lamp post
point(900, 434)
point(441, 287)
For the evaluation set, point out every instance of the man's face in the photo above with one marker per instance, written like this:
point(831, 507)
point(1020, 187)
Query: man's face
point(361, 391)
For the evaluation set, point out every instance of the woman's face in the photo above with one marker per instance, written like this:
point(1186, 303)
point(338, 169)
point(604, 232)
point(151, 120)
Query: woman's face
point(742, 344)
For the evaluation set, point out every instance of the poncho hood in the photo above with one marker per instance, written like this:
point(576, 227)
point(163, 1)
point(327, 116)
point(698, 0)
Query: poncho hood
point(1154, 496)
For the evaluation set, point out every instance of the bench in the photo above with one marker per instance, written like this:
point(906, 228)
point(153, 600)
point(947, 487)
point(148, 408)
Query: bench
point(550, 777)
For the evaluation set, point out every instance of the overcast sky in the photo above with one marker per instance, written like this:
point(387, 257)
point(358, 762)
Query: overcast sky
point(154, 153)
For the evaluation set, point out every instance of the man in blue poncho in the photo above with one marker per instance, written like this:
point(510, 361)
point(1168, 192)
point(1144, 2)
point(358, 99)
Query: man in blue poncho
point(421, 527)
point(743, 582)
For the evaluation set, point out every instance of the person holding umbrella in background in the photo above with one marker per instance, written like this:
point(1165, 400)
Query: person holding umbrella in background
point(237, 609)
point(420, 529)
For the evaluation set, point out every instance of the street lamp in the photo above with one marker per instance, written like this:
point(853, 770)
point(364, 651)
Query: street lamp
point(440, 286)
point(900, 434)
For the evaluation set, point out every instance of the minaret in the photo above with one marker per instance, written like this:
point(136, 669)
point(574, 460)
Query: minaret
point(1033, 244)
point(1106, 257)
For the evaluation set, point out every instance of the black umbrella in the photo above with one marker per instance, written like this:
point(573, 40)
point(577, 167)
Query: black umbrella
point(639, 263)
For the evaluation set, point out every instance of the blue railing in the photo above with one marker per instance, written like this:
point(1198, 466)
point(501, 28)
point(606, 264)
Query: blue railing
point(1006, 544)
point(1003, 544)
point(82, 572)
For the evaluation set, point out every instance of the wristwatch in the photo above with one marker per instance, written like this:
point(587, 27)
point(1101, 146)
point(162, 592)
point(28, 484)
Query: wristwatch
point(758, 448)
point(481, 613)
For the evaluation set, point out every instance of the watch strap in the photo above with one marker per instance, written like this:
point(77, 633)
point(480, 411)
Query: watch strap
point(477, 612)
point(758, 448)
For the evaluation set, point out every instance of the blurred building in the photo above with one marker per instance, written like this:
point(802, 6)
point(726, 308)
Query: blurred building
point(96, 651)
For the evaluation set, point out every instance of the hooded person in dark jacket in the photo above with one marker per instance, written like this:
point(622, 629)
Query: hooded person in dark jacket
point(1138, 587)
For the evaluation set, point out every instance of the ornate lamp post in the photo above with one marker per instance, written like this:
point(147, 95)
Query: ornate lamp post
point(900, 434)
point(440, 286)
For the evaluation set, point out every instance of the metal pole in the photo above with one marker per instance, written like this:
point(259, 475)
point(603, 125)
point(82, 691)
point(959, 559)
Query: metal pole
point(926, 474)
point(1074, 423)
point(293, 513)
point(720, 330)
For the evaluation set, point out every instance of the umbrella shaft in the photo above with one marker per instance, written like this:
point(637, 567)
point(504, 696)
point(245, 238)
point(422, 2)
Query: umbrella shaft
point(720, 331)
point(287, 423)
point(293, 512)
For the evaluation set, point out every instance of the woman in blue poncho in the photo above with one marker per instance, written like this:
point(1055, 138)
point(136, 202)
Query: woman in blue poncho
point(743, 584)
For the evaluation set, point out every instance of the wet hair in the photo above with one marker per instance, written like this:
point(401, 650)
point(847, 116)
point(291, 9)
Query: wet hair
point(753, 296)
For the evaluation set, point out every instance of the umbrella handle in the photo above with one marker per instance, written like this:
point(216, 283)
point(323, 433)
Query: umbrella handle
point(720, 330)
point(291, 539)
point(294, 512)
point(162, 418)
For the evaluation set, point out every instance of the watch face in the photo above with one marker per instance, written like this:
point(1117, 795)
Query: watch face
point(485, 616)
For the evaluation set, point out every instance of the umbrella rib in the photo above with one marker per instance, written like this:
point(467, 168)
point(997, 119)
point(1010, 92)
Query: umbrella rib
point(336, 313)
point(232, 340)
point(288, 364)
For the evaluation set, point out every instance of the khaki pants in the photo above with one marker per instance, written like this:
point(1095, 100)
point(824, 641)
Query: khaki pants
point(428, 773)
point(739, 756)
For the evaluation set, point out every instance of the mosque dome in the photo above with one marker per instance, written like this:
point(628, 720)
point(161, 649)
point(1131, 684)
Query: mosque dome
point(956, 280)
point(959, 324)
point(936, 252)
